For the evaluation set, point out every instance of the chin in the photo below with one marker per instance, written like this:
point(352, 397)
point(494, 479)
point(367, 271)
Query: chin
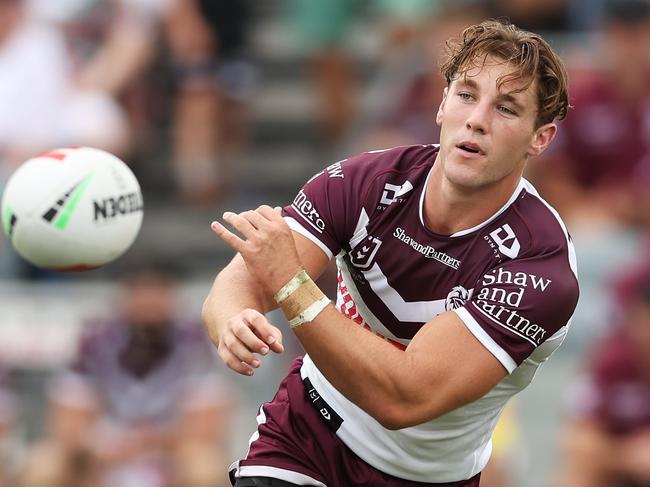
point(466, 177)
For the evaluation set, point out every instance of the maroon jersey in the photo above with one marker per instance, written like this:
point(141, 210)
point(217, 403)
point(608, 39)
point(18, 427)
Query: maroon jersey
point(510, 279)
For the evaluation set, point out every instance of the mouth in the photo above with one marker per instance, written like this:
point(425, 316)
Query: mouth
point(470, 149)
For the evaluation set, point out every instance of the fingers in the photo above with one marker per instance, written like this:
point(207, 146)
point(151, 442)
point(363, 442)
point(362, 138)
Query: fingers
point(272, 214)
point(240, 222)
point(233, 362)
point(266, 332)
point(245, 223)
point(247, 334)
point(227, 236)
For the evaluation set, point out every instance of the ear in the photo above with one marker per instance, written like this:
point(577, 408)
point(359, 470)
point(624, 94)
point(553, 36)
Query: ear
point(542, 138)
point(440, 109)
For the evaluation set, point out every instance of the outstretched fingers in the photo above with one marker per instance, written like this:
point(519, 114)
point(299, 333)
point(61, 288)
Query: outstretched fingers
point(227, 236)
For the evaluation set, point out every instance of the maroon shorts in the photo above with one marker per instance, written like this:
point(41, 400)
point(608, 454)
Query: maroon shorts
point(297, 444)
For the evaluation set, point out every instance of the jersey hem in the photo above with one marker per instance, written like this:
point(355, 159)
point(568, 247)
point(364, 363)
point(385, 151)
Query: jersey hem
point(277, 473)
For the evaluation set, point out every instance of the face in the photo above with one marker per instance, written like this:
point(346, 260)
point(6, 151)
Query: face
point(487, 133)
point(149, 301)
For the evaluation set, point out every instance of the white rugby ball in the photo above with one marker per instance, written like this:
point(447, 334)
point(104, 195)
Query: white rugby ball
point(72, 209)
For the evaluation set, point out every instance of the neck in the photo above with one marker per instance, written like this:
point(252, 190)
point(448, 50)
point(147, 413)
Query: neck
point(458, 208)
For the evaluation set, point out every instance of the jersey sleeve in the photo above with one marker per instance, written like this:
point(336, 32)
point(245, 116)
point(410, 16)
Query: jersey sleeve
point(519, 304)
point(327, 208)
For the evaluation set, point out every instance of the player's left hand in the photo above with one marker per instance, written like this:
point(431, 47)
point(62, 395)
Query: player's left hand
point(267, 245)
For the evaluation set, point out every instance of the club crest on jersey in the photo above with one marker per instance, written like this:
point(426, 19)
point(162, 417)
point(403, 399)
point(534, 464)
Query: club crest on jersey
point(457, 297)
point(363, 255)
point(393, 192)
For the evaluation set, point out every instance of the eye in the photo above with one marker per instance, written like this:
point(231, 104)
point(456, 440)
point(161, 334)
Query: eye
point(506, 110)
point(465, 96)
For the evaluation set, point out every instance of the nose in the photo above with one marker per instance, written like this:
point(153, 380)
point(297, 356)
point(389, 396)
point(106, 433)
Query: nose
point(478, 118)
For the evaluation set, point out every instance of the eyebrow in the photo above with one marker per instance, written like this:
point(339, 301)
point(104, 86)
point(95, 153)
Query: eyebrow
point(470, 83)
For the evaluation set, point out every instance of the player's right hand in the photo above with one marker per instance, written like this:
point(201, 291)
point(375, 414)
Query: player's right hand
point(246, 334)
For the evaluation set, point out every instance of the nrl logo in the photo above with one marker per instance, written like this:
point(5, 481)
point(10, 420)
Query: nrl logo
point(363, 256)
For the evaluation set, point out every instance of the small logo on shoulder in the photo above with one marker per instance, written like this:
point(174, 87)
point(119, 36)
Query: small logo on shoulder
point(393, 192)
point(506, 241)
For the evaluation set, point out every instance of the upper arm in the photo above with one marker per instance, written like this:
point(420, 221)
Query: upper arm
point(452, 368)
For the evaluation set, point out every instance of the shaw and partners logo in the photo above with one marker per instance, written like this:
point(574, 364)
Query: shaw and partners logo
point(501, 304)
point(427, 250)
point(308, 212)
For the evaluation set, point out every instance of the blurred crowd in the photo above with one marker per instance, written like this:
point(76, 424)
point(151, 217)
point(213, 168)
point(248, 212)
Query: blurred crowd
point(174, 87)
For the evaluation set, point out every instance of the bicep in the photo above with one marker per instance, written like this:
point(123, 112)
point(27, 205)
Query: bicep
point(457, 367)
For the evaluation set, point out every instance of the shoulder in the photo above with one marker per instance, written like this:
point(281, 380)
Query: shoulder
point(369, 174)
point(530, 239)
point(397, 159)
point(542, 230)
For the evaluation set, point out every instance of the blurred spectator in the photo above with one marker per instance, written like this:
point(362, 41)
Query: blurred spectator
point(7, 432)
point(607, 440)
point(321, 30)
point(141, 405)
point(43, 104)
point(207, 39)
point(114, 48)
point(413, 77)
point(548, 16)
point(601, 160)
point(50, 95)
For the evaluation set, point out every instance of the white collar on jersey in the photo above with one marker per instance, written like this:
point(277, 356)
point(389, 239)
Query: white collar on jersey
point(522, 184)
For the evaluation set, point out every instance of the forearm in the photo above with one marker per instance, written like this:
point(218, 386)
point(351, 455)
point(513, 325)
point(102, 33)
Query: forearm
point(395, 386)
point(233, 290)
point(364, 367)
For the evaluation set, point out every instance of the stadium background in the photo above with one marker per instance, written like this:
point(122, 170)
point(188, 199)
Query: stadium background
point(370, 59)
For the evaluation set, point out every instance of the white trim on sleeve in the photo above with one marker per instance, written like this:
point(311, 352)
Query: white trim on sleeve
point(277, 473)
point(487, 341)
point(297, 227)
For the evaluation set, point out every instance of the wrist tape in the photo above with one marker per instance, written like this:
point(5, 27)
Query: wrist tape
point(301, 299)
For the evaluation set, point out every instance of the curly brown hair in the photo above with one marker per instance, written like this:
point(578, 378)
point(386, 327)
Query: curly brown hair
point(531, 56)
